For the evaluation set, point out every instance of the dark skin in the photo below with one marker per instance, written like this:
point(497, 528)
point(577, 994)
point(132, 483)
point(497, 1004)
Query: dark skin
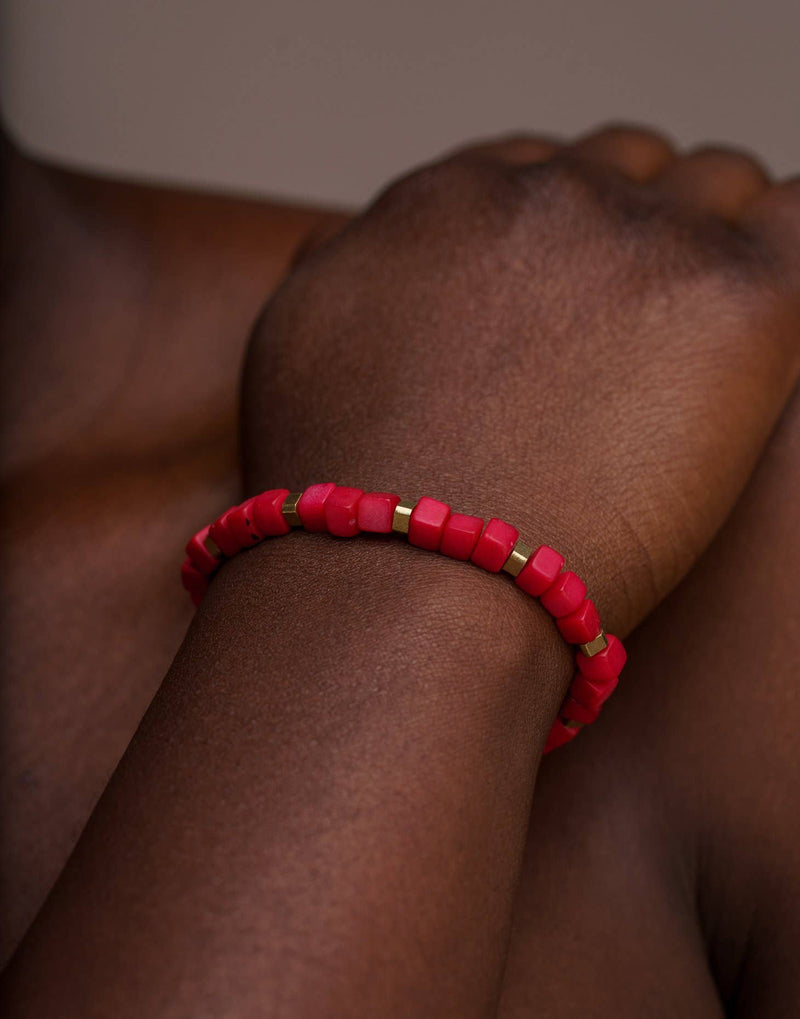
point(380, 827)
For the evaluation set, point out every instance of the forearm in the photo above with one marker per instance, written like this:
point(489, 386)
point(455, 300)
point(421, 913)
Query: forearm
point(325, 807)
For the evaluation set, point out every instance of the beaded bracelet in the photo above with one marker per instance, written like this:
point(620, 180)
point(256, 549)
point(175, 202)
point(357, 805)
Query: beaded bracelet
point(429, 524)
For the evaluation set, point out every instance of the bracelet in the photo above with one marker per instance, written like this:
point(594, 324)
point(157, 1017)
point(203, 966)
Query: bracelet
point(429, 524)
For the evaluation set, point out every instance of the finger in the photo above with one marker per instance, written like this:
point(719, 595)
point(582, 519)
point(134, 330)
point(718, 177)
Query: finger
point(775, 216)
point(637, 152)
point(516, 150)
point(716, 180)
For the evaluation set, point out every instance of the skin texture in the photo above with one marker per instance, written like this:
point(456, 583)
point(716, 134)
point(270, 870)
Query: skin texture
point(200, 836)
point(124, 313)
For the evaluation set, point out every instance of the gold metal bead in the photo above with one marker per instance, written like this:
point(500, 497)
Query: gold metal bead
point(520, 554)
point(289, 509)
point(595, 646)
point(402, 516)
point(213, 548)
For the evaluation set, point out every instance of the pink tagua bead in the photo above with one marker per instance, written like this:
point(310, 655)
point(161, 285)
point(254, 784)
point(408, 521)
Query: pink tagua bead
point(592, 693)
point(267, 512)
point(540, 571)
point(559, 735)
point(199, 555)
point(461, 533)
point(241, 525)
point(427, 522)
point(564, 595)
point(341, 511)
point(494, 545)
point(311, 506)
point(582, 625)
point(376, 512)
point(574, 711)
point(220, 533)
point(606, 664)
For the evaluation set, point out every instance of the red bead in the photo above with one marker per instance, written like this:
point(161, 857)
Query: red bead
point(460, 535)
point(194, 581)
point(540, 571)
point(564, 595)
point(341, 511)
point(426, 525)
point(222, 536)
point(582, 625)
point(267, 516)
point(592, 693)
point(311, 506)
point(574, 711)
point(559, 735)
point(241, 525)
point(376, 512)
point(494, 545)
point(199, 555)
point(606, 664)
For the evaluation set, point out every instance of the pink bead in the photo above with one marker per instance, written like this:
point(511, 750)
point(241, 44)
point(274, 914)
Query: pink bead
point(426, 525)
point(199, 555)
point(494, 545)
point(592, 693)
point(341, 511)
point(559, 735)
point(574, 711)
point(606, 664)
point(376, 512)
point(582, 625)
point(221, 535)
point(311, 506)
point(194, 581)
point(460, 535)
point(564, 595)
point(241, 526)
point(540, 571)
point(267, 516)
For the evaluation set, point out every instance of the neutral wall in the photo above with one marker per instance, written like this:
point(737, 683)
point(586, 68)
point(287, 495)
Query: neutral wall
point(326, 100)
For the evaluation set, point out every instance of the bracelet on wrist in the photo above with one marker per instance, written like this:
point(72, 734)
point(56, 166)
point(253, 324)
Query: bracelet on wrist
point(427, 523)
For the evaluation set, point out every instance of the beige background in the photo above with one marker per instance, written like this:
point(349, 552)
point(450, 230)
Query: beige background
point(326, 100)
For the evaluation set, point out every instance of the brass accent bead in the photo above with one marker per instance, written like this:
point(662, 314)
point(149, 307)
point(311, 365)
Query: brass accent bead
point(520, 554)
point(289, 509)
point(595, 646)
point(213, 548)
point(402, 516)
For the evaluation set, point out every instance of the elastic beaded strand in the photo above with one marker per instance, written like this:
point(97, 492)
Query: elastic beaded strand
point(429, 524)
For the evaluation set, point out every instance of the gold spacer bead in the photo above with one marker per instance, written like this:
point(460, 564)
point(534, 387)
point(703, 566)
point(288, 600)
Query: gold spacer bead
point(594, 647)
point(213, 548)
point(402, 515)
point(520, 554)
point(289, 509)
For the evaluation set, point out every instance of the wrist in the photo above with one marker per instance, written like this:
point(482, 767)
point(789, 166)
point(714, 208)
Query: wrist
point(350, 608)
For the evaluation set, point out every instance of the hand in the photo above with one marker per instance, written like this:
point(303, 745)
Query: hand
point(592, 341)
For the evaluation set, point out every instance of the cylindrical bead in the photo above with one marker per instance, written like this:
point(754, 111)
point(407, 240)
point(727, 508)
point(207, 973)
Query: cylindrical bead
point(564, 595)
point(376, 512)
point(592, 693)
point(559, 735)
point(540, 571)
point(221, 534)
point(199, 555)
point(576, 712)
point(341, 511)
point(267, 512)
point(241, 525)
point(461, 533)
point(494, 545)
point(582, 625)
point(426, 526)
point(311, 506)
point(605, 664)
